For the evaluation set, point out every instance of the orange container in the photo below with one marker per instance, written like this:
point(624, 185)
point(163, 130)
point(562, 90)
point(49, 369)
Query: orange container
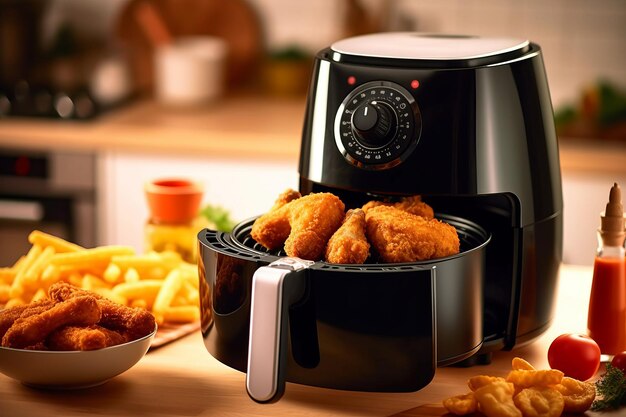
point(173, 200)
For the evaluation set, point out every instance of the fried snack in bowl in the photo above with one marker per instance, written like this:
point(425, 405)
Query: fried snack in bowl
point(539, 402)
point(72, 369)
point(577, 395)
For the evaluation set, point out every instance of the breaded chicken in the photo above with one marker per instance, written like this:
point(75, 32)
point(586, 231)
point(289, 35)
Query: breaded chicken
point(348, 245)
point(132, 323)
point(84, 338)
point(399, 236)
point(411, 204)
point(313, 220)
point(9, 315)
point(272, 229)
point(28, 331)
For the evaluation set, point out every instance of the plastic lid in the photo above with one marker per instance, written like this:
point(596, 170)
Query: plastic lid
point(424, 46)
point(612, 220)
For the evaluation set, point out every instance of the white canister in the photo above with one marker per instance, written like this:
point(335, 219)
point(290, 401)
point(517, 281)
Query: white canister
point(190, 70)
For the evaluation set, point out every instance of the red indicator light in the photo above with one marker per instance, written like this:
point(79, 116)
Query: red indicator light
point(415, 84)
point(22, 166)
point(351, 80)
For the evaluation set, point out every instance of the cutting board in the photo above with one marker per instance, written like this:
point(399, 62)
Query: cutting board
point(234, 21)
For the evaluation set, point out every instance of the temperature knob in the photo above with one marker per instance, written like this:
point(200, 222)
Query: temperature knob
point(378, 125)
point(374, 123)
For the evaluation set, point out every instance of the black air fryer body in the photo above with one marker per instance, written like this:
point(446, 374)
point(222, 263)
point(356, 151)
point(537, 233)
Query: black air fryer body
point(464, 122)
point(482, 146)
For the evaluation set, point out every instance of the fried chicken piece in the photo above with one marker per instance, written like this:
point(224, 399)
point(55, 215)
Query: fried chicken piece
point(84, 338)
point(399, 236)
point(348, 245)
point(313, 220)
point(28, 331)
point(9, 315)
point(411, 204)
point(133, 323)
point(272, 229)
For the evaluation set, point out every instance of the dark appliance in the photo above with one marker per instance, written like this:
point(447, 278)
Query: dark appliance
point(50, 191)
point(467, 123)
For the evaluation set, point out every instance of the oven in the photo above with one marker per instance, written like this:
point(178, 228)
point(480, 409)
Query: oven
point(50, 191)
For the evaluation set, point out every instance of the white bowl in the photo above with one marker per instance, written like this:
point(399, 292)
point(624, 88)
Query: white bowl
point(72, 369)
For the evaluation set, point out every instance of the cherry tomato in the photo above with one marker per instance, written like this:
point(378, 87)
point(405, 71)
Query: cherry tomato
point(619, 361)
point(576, 355)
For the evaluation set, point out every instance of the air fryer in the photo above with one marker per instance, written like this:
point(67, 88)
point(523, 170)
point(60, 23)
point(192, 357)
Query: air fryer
point(465, 122)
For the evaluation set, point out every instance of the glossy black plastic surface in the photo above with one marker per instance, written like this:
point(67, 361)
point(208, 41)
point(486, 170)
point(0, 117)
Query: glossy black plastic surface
point(373, 327)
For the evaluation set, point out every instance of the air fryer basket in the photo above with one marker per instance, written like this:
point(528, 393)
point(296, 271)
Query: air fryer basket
point(414, 316)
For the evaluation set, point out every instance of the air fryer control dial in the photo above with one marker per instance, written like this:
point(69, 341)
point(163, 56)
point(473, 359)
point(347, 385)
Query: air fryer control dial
point(378, 125)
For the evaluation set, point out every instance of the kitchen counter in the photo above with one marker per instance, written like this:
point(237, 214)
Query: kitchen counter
point(182, 379)
point(235, 127)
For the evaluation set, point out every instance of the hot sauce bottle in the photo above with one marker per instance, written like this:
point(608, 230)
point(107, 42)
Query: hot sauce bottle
point(606, 321)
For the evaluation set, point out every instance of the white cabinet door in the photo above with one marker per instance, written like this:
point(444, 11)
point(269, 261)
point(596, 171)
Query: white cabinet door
point(246, 188)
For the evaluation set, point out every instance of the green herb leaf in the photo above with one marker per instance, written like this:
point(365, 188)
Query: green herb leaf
point(612, 388)
point(218, 216)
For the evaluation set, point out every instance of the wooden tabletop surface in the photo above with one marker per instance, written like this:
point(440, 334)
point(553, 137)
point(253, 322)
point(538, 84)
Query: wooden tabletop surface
point(182, 379)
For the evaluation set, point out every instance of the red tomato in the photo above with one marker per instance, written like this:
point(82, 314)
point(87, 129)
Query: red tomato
point(619, 361)
point(576, 355)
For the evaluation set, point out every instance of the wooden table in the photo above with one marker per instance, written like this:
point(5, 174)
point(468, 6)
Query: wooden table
point(182, 379)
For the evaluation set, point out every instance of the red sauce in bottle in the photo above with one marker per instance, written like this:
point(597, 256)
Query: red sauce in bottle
point(607, 305)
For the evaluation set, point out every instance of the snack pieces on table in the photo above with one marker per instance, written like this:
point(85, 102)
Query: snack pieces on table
point(76, 321)
point(399, 236)
point(348, 245)
point(114, 273)
point(526, 392)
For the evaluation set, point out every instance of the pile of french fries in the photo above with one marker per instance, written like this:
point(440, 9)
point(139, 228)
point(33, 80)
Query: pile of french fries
point(160, 282)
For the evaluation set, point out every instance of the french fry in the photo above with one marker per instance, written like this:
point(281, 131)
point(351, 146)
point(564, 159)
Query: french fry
point(7, 275)
point(112, 273)
point(50, 275)
point(172, 284)
point(90, 257)
point(5, 293)
point(15, 301)
point(139, 303)
point(39, 295)
point(17, 287)
point(40, 238)
point(32, 275)
point(144, 262)
point(110, 295)
point(90, 282)
point(182, 314)
point(131, 275)
point(146, 289)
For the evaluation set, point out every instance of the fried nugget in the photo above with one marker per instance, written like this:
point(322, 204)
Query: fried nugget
point(9, 315)
point(272, 229)
point(28, 331)
point(399, 236)
point(411, 204)
point(313, 220)
point(348, 245)
point(84, 338)
point(133, 323)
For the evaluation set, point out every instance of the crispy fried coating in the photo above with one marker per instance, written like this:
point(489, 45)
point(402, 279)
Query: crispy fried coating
point(9, 315)
point(84, 338)
point(303, 225)
point(411, 204)
point(399, 236)
point(272, 229)
point(133, 323)
point(28, 331)
point(313, 220)
point(348, 245)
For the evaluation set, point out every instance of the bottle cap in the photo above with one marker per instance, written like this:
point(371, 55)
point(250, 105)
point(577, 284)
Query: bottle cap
point(612, 220)
point(173, 200)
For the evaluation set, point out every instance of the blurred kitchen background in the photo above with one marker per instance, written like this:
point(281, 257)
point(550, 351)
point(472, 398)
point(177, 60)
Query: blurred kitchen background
point(99, 96)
